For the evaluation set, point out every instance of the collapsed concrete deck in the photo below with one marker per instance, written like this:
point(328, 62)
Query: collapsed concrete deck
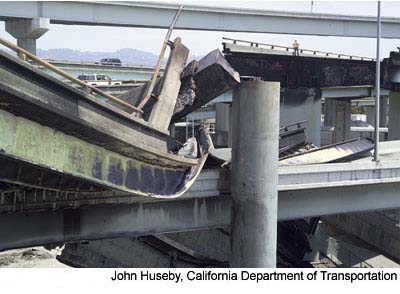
point(56, 136)
point(74, 213)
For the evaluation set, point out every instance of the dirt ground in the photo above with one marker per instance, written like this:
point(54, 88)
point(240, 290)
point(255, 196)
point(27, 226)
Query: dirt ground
point(34, 257)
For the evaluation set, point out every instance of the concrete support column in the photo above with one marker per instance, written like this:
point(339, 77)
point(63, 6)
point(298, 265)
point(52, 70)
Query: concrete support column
point(222, 125)
point(26, 31)
point(383, 116)
point(27, 44)
point(394, 116)
point(329, 112)
point(342, 121)
point(255, 144)
point(302, 104)
point(315, 244)
point(370, 113)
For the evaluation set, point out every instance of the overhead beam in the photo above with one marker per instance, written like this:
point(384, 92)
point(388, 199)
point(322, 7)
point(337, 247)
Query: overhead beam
point(352, 92)
point(159, 15)
point(31, 229)
point(341, 199)
point(347, 92)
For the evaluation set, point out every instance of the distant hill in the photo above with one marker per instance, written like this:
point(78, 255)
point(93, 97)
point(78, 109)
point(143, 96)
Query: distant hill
point(126, 55)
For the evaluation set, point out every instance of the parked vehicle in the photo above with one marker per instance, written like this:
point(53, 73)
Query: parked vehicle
point(98, 80)
point(110, 61)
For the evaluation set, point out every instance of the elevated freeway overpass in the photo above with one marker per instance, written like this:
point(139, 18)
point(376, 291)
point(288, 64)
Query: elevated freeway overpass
point(304, 191)
point(28, 21)
point(35, 109)
point(125, 72)
point(195, 17)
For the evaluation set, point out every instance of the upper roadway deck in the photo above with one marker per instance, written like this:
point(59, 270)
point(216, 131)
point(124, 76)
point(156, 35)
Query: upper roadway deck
point(195, 17)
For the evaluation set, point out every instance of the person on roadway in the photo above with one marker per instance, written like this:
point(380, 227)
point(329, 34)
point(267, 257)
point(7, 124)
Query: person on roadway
point(296, 48)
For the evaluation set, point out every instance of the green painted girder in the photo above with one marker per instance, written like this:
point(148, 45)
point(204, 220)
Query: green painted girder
point(29, 142)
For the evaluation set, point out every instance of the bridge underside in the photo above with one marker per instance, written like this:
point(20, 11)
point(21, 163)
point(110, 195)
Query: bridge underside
point(143, 218)
point(36, 215)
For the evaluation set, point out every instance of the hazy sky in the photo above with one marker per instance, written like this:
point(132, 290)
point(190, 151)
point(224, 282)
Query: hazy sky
point(200, 42)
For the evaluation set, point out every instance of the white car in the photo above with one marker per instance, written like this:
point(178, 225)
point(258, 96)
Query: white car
point(98, 80)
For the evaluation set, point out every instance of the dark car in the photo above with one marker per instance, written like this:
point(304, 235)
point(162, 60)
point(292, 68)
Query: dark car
point(110, 61)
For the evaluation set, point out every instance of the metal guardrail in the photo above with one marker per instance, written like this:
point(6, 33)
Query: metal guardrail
point(298, 124)
point(25, 55)
point(311, 52)
point(83, 62)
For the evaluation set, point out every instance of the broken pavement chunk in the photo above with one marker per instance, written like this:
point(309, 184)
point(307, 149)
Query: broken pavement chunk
point(212, 77)
point(161, 113)
point(201, 81)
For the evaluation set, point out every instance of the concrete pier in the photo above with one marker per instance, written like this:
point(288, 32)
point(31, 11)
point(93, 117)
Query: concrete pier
point(255, 136)
point(222, 125)
point(370, 112)
point(342, 120)
point(338, 115)
point(383, 116)
point(394, 117)
point(329, 112)
point(27, 31)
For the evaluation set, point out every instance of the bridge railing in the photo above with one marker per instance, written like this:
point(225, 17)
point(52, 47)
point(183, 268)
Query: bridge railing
point(93, 63)
point(25, 55)
point(289, 49)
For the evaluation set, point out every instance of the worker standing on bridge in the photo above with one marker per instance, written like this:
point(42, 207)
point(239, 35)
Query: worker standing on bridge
point(296, 48)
